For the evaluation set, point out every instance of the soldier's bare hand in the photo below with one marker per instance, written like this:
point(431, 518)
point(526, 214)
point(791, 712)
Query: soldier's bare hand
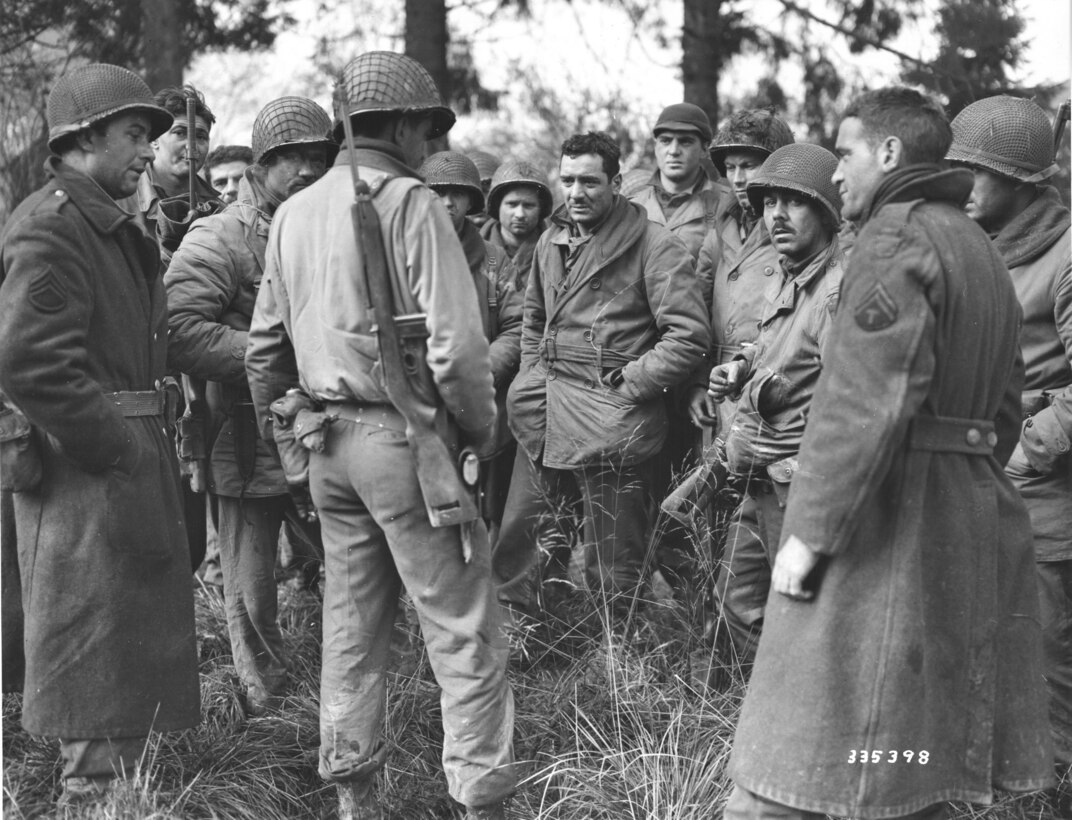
point(725, 380)
point(701, 408)
point(303, 502)
point(792, 566)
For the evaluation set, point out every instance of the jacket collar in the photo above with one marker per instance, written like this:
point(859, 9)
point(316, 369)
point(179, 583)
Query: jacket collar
point(99, 209)
point(380, 155)
point(922, 181)
point(254, 193)
point(811, 267)
point(1034, 230)
point(622, 228)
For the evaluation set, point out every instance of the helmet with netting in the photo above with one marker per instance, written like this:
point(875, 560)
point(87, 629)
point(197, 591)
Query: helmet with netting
point(93, 92)
point(802, 167)
point(1007, 135)
point(291, 121)
point(635, 181)
point(486, 164)
point(449, 169)
point(383, 82)
point(756, 129)
point(514, 172)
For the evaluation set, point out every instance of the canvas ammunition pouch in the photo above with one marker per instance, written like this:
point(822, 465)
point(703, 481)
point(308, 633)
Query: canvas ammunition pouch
point(781, 474)
point(299, 425)
point(20, 460)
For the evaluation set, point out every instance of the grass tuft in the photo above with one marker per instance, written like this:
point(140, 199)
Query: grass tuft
point(611, 724)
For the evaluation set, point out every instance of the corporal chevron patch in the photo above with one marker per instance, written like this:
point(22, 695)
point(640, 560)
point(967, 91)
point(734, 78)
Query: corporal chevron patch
point(878, 310)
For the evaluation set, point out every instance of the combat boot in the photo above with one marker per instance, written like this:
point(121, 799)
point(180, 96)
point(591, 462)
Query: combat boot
point(492, 811)
point(357, 802)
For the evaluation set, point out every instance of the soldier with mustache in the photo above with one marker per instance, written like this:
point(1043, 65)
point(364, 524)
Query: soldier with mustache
point(212, 287)
point(774, 378)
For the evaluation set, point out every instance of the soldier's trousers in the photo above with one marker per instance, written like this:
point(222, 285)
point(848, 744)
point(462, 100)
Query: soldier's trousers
point(745, 578)
point(248, 538)
point(377, 539)
point(1049, 503)
point(616, 509)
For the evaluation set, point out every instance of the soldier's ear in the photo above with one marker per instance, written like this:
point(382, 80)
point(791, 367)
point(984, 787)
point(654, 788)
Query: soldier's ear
point(890, 153)
point(616, 183)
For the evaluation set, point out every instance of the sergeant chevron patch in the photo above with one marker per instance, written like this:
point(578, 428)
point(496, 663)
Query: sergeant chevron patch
point(47, 292)
point(878, 310)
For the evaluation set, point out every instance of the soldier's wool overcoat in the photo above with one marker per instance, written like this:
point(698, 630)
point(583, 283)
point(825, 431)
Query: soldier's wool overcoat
point(110, 648)
point(923, 636)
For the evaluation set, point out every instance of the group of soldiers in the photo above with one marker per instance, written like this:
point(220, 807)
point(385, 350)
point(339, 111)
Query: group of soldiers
point(840, 332)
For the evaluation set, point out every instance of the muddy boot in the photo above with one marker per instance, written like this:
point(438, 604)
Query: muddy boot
point(82, 792)
point(492, 811)
point(357, 802)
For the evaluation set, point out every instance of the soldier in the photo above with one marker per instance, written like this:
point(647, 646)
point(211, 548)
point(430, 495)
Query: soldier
point(110, 648)
point(737, 265)
point(455, 179)
point(737, 260)
point(224, 167)
point(679, 194)
point(1008, 145)
point(212, 286)
point(163, 197)
point(486, 165)
point(774, 378)
point(613, 318)
point(900, 665)
point(519, 203)
point(311, 327)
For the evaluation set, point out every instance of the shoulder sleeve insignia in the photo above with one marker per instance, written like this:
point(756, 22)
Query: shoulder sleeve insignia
point(47, 292)
point(878, 310)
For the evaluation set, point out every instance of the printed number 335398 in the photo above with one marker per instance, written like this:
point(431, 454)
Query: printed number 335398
point(892, 756)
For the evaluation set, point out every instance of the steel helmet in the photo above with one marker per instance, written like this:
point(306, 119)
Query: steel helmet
point(486, 164)
point(756, 129)
point(291, 121)
point(514, 172)
point(383, 81)
point(802, 167)
point(449, 169)
point(1007, 135)
point(93, 92)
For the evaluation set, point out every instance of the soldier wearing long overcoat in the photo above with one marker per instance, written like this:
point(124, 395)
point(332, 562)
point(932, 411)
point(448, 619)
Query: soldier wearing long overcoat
point(901, 655)
point(110, 649)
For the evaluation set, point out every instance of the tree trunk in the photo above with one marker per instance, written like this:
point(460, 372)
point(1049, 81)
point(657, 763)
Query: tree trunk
point(701, 62)
point(163, 50)
point(427, 39)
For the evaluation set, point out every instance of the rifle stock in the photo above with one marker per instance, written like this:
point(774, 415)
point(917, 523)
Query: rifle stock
point(447, 499)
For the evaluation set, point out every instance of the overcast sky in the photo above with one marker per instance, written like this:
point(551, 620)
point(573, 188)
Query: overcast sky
point(570, 46)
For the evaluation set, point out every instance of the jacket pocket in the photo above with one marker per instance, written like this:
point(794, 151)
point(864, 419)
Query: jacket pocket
point(20, 460)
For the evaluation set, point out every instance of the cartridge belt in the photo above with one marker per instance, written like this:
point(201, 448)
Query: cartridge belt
point(384, 416)
point(139, 402)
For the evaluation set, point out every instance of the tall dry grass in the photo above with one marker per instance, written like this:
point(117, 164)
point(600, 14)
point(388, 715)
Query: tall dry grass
point(610, 726)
